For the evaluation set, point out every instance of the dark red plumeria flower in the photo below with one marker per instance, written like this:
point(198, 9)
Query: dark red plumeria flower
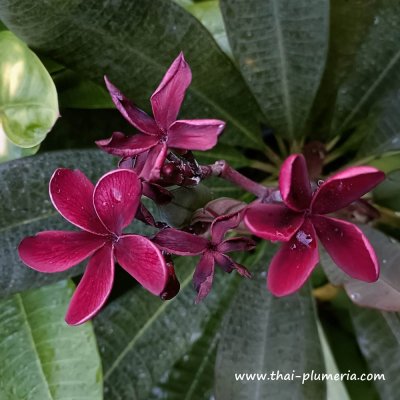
point(164, 131)
point(212, 251)
point(301, 218)
point(102, 212)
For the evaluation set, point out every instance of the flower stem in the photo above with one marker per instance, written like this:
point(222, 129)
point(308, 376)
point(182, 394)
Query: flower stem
point(223, 170)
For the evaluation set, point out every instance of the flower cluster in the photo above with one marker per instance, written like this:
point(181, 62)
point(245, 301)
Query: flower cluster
point(160, 156)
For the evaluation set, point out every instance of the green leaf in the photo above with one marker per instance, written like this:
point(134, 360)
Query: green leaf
point(387, 193)
point(375, 71)
point(141, 338)
point(262, 334)
point(379, 340)
point(77, 129)
point(134, 43)
point(28, 97)
point(281, 49)
point(77, 92)
point(209, 14)
point(379, 133)
point(349, 24)
point(25, 209)
point(41, 356)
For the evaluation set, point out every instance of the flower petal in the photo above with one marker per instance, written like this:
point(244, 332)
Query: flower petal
point(203, 276)
point(71, 193)
point(196, 134)
point(294, 262)
point(343, 188)
point(223, 224)
point(294, 183)
point(179, 242)
point(127, 146)
point(135, 116)
point(149, 165)
point(228, 265)
point(272, 221)
point(167, 99)
point(55, 251)
point(143, 260)
point(172, 287)
point(348, 247)
point(157, 193)
point(236, 244)
point(94, 287)
point(116, 199)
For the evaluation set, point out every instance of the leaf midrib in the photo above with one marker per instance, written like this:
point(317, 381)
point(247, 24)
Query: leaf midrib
point(284, 78)
point(19, 299)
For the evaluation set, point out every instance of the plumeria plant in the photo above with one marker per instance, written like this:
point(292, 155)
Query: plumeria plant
point(231, 232)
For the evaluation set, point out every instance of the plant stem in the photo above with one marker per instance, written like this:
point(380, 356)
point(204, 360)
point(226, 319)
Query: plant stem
point(223, 170)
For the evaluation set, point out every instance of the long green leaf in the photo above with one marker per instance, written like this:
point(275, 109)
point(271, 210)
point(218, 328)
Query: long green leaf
point(349, 24)
point(379, 339)
point(264, 334)
point(141, 337)
point(281, 49)
point(41, 356)
point(28, 97)
point(134, 43)
point(25, 209)
point(375, 71)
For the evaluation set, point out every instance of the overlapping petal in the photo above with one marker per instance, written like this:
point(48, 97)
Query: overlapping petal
point(294, 262)
point(200, 134)
point(228, 265)
point(223, 224)
point(294, 183)
point(135, 116)
point(348, 247)
point(272, 221)
point(149, 164)
point(55, 251)
point(167, 98)
point(127, 146)
point(179, 242)
point(71, 193)
point(343, 188)
point(236, 244)
point(94, 287)
point(203, 276)
point(116, 199)
point(143, 260)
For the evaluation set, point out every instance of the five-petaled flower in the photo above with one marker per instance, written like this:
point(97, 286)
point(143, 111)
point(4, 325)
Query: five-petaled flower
point(102, 212)
point(164, 131)
point(212, 251)
point(302, 218)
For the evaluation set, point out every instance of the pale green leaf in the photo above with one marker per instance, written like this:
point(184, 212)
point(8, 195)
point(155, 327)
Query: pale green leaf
point(28, 97)
point(42, 358)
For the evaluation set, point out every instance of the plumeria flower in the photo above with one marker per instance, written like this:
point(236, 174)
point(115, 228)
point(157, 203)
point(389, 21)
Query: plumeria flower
point(302, 217)
point(163, 131)
point(102, 212)
point(212, 251)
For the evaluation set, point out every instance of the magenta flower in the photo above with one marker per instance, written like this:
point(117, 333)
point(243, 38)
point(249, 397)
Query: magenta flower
point(164, 131)
point(302, 218)
point(102, 212)
point(212, 251)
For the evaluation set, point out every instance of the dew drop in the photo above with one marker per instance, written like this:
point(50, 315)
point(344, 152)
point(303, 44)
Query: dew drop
point(116, 194)
point(320, 182)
